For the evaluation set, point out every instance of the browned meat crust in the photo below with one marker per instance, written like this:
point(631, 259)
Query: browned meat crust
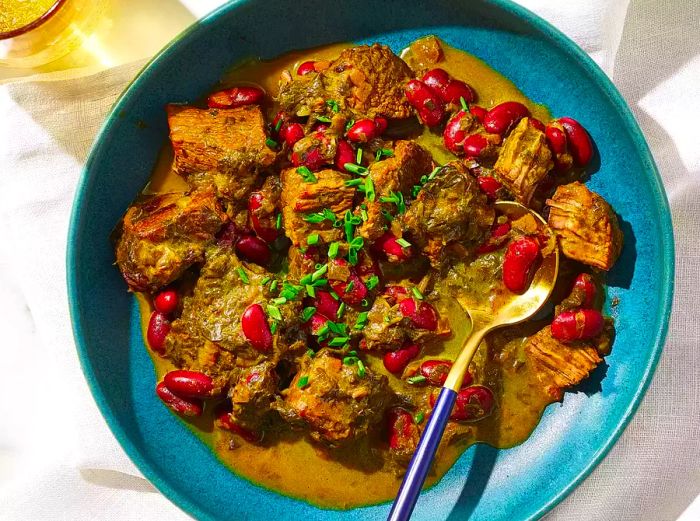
point(586, 226)
point(163, 235)
point(224, 148)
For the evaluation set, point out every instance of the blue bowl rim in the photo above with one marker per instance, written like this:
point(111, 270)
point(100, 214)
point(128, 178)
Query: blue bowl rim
point(560, 40)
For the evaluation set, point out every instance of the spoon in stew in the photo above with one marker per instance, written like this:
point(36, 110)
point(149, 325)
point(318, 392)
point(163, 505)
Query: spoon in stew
point(504, 310)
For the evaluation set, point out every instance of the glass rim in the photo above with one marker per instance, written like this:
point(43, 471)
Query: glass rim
point(34, 23)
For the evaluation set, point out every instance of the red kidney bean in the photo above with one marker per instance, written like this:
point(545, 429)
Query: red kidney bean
point(166, 301)
point(585, 284)
point(396, 361)
point(306, 67)
point(518, 263)
point(556, 138)
point(353, 296)
point(455, 132)
point(436, 371)
point(313, 159)
point(344, 154)
point(394, 294)
point(501, 118)
point(394, 252)
point(254, 249)
point(579, 324)
point(381, 124)
point(320, 128)
point(579, 141)
point(537, 124)
point(474, 145)
point(158, 329)
point(183, 406)
point(423, 315)
point(489, 185)
point(473, 403)
point(402, 428)
point(456, 90)
point(291, 133)
point(235, 97)
point(498, 230)
point(256, 329)
point(478, 112)
point(437, 79)
point(326, 305)
point(316, 322)
point(430, 108)
point(362, 131)
point(266, 233)
point(189, 384)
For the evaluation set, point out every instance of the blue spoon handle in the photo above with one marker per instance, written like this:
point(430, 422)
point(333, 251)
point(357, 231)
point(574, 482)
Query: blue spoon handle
point(423, 457)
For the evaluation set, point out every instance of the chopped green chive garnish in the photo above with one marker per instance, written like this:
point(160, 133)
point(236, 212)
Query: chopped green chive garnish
point(307, 313)
point(306, 279)
point(306, 174)
point(364, 303)
point(310, 353)
point(350, 285)
point(349, 228)
point(386, 152)
point(243, 276)
point(278, 224)
point(350, 360)
point(334, 295)
point(397, 199)
point(333, 250)
point(323, 215)
point(358, 158)
point(463, 103)
point(361, 371)
point(363, 214)
point(310, 291)
point(320, 271)
point(403, 242)
point(413, 380)
point(274, 312)
point(354, 182)
point(273, 327)
point(372, 282)
point(355, 169)
point(341, 310)
point(387, 215)
point(419, 417)
point(361, 321)
point(415, 190)
point(417, 293)
point(271, 143)
point(303, 382)
point(273, 286)
point(333, 105)
point(338, 341)
point(265, 281)
point(278, 125)
point(312, 239)
point(279, 301)
point(323, 330)
point(323, 119)
point(369, 189)
point(349, 124)
point(432, 174)
point(320, 282)
point(290, 291)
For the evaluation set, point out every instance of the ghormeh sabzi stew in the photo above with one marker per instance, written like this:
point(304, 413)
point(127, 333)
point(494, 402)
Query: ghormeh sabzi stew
point(294, 254)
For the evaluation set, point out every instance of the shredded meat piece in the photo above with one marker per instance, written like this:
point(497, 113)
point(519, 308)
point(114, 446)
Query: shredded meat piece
point(524, 160)
point(253, 394)
point(558, 364)
point(300, 199)
point(586, 226)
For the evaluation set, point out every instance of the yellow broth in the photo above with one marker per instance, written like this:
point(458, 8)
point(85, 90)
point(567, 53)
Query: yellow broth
point(286, 461)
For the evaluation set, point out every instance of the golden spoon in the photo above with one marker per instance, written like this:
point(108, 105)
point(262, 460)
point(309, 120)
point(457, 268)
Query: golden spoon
point(486, 317)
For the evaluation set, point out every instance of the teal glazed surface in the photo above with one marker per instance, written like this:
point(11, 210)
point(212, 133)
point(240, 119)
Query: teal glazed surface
point(519, 483)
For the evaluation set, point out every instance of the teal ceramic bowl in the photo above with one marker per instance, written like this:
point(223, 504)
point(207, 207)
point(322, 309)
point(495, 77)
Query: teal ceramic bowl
point(520, 483)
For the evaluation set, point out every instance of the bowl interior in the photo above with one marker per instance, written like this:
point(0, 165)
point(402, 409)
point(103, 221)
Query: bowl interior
point(519, 483)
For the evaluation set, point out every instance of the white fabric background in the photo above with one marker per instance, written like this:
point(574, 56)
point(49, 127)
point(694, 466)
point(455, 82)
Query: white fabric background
point(59, 461)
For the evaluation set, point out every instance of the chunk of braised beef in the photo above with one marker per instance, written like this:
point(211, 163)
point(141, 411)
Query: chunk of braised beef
point(366, 81)
point(162, 235)
point(221, 148)
point(336, 402)
point(450, 209)
point(252, 396)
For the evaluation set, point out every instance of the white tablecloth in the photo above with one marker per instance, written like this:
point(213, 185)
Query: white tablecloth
point(57, 458)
